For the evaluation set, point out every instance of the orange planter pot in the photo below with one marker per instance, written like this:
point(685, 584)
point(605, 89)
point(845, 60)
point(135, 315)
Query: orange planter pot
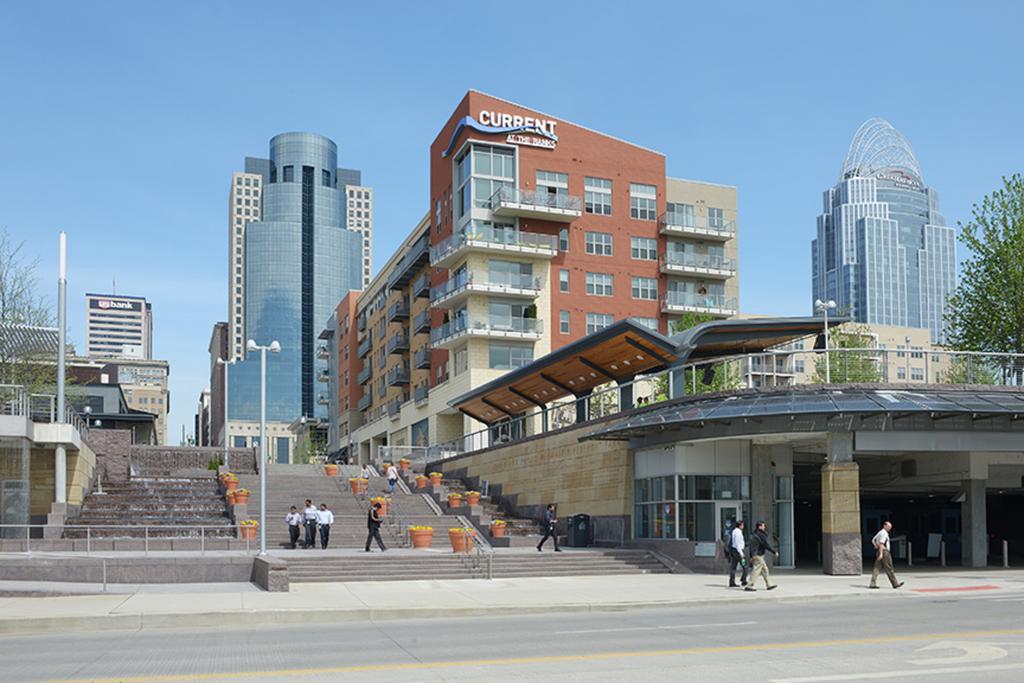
point(436, 481)
point(454, 501)
point(240, 499)
point(231, 484)
point(358, 485)
point(460, 541)
point(472, 499)
point(421, 483)
point(498, 531)
point(383, 506)
point(331, 470)
point(421, 538)
point(230, 495)
point(404, 465)
point(248, 532)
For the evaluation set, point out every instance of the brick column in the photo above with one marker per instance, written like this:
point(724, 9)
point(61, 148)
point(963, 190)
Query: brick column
point(840, 509)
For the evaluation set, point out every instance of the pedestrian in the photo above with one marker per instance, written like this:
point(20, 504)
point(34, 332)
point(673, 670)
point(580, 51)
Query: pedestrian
point(373, 520)
point(550, 522)
point(325, 518)
point(365, 472)
point(737, 545)
point(392, 475)
point(310, 513)
point(294, 520)
point(759, 543)
point(883, 557)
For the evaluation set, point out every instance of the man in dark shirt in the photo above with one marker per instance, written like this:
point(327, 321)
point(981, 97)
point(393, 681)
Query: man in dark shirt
point(373, 520)
point(759, 543)
point(550, 522)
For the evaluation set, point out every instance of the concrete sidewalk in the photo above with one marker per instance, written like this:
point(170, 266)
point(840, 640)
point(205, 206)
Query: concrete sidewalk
point(155, 606)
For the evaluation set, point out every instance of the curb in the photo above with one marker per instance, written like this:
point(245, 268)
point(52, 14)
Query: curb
point(269, 617)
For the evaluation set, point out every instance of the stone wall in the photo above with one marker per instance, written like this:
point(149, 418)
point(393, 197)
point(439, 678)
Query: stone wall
point(592, 477)
point(167, 460)
point(113, 452)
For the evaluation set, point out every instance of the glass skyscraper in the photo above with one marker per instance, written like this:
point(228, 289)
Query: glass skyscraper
point(300, 261)
point(883, 251)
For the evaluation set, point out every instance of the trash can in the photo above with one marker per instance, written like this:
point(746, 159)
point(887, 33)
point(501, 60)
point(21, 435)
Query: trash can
point(580, 531)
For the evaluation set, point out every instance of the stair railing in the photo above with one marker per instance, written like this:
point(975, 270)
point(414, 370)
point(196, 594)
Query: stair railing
point(479, 557)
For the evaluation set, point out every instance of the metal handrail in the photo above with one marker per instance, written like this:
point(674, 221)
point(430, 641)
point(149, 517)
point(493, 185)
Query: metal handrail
point(481, 552)
point(145, 539)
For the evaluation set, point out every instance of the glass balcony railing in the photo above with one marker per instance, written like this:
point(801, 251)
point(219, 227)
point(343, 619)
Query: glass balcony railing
point(488, 235)
point(715, 302)
point(496, 326)
point(421, 358)
point(398, 375)
point(684, 222)
point(493, 281)
point(365, 373)
point(534, 198)
point(683, 259)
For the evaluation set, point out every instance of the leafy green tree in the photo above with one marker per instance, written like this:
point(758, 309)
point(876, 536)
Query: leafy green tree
point(710, 378)
point(986, 313)
point(849, 366)
point(972, 370)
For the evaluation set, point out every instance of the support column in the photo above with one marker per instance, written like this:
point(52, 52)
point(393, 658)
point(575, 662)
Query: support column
point(583, 408)
point(762, 485)
point(60, 475)
point(626, 396)
point(840, 508)
point(974, 524)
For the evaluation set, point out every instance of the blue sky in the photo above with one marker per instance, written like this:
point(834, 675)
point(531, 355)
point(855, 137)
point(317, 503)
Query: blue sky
point(122, 122)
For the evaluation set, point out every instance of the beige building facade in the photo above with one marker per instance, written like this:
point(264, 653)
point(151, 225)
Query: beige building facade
point(245, 203)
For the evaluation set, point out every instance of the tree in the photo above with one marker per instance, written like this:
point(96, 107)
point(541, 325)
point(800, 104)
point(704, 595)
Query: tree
point(986, 312)
point(709, 378)
point(21, 304)
point(849, 366)
point(972, 370)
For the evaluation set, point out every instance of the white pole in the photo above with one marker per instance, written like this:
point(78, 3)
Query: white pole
point(263, 451)
point(226, 437)
point(828, 365)
point(60, 455)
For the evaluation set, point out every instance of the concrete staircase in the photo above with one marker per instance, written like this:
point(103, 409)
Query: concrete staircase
point(161, 503)
point(507, 563)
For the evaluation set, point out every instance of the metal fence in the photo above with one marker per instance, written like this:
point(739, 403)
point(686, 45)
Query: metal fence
point(89, 538)
point(17, 401)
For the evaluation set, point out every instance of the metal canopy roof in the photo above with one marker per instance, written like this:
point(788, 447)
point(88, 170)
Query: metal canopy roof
point(835, 400)
point(619, 353)
point(27, 341)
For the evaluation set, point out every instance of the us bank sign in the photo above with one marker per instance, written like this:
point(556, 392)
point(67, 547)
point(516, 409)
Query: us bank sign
point(518, 130)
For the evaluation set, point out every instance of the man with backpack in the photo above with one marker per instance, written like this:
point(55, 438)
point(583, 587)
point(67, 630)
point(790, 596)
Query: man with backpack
point(759, 543)
point(373, 520)
point(736, 544)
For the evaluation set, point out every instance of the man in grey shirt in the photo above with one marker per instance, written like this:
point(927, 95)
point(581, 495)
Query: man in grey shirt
point(883, 558)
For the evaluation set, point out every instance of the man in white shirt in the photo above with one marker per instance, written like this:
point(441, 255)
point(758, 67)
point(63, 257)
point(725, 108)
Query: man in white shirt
point(310, 515)
point(294, 521)
point(883, 558)
point(737, 544)
point(325, 518)
point(392, 474)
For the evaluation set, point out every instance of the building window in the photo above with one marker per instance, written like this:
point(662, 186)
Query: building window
point(645, 288)
point(492, 168)
point(509, 356)
point(917, 374)
point(599, 284)
point(552, 183)
point(563, 239)
point(679, 214)
point(599, 243)
point(325, 178)
point(798, 366)
point(715, 218)
point(643, 202)
point(510, 273)
point(563, 280)
point(289, 174)
point(563, 322)
point(901, 372)
point(644, 248)
point(649, 323)
point(597, 196)
point(916, 352)
point(598, 321)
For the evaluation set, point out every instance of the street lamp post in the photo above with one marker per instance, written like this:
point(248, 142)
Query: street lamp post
point(225, 364)
point(273, 347)
point(60, 417)
point(824, 307)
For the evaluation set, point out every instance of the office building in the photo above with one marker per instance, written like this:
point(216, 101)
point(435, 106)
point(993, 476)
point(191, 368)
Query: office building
point(245, 204)
point(359, 214)
point(300, 261)
point(883, 252)
point(143, 392)
point(118, 326)
point(539, 231)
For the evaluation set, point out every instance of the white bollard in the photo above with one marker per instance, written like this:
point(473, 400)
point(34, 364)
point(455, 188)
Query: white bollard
point(910, 554)
point(942, 553)
point(1006, 554)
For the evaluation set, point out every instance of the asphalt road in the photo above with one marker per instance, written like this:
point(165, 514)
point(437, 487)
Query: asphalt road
point(961, 637)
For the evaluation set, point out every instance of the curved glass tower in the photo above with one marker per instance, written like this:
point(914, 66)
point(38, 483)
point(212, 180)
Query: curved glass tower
point(883, 251)
point(299, 263)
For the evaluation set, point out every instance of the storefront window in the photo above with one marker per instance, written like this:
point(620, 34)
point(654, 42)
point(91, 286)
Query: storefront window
point(689, 507)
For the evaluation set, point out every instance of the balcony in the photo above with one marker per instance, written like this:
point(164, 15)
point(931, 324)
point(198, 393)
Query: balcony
point(323, 376)
point(686, 302)
point(365, 374)
point(672, 223)
point(322, 399)
point(398, 376)
point(398, 343)
point(421, 359)
point(454, 291)
point(509, 242)
point(421, 393)
point(421, 287)
point(421, 323)
point(398, 311)
point(395, 408)
point(510, 202)
point(322, 352)
point(364, 346)
point(705, 265)
point(365, 401)
point(361, 323)
point(522, 329)
point(414, 259)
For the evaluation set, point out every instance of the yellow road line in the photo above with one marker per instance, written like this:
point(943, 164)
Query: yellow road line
point(544, 659)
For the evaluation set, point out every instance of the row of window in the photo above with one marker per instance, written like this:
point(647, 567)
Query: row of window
point(599, 321)
point(602, 284)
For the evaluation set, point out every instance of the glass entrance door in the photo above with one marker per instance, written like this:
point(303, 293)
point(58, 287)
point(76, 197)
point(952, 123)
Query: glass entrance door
point(728, 513)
